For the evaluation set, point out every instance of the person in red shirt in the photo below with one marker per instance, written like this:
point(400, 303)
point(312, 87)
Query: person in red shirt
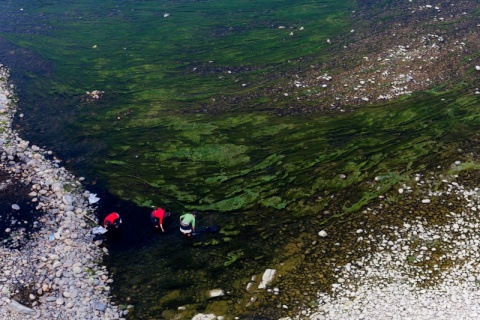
point(157, 217)
point(112, 220)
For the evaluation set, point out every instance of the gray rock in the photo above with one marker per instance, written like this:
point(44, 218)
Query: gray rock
point(20, 308)
point(57, 187)
point(99, 305)
point(5, 291)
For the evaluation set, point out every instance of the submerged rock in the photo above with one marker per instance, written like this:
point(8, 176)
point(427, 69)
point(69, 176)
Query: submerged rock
point(322, 233)
point(214, 293)
point(267, 278)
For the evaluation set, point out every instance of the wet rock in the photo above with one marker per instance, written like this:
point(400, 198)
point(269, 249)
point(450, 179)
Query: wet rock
point(214, 293)
point(267, 278)
point(322, 233)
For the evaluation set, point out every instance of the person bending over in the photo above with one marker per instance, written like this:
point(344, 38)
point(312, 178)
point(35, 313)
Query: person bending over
point(187, 223)
point(157, 217)
point(112, 221)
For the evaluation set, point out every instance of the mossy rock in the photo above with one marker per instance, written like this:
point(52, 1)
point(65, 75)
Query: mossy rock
point(218, 307)
point(170, 297)
point(178, 314)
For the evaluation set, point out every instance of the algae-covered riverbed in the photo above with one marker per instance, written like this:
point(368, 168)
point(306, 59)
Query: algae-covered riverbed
point(272, 118)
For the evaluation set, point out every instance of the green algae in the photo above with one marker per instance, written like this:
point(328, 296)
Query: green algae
point(467, 165)
point(211, 242)
point(160, 147)
point(222, 154)
point(115, 162)
point(229, 230)
point(386, 182)
point(233, 256)
point(274, 202)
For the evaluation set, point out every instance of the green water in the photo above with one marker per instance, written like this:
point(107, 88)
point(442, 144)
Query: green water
point(144, 62)
point(158, 135)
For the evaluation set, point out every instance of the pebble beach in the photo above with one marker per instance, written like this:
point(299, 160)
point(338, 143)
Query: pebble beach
point(418, 271)
point(54, 271)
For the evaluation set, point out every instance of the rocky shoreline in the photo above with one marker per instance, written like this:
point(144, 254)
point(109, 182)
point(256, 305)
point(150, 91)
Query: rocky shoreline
point(424, 266)
point(423, 46)
point(56, 271)
point(419, 269)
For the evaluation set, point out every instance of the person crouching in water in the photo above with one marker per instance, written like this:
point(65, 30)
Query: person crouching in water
point(157, 217)
point(112, 221)
point(187, 223)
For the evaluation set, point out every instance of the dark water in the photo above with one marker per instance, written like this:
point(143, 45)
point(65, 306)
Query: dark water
point(189, 119)
point(16, 225)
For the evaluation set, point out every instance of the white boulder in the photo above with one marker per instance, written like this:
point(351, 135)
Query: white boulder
point(267, 278)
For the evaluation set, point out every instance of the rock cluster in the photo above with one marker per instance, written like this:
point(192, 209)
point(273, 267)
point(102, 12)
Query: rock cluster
point(413, 54)
point(420, 48)
point(93, 95)
point(57, 272)
point(419, 270)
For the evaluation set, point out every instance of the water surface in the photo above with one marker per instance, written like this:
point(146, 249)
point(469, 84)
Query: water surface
point(189, 118)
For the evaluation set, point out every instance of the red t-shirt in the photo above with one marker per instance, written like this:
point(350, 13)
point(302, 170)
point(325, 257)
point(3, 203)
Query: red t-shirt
point(111, 218)
point(159, 214)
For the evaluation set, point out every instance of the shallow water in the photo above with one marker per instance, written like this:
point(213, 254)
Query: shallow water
point(16, 225)
point(153, 139)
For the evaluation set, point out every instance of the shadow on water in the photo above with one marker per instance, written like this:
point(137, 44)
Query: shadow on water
point(159, 272)
point(16, 225)
point(136, 230)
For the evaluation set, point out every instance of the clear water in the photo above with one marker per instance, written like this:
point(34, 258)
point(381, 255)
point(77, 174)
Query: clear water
point(158, 137)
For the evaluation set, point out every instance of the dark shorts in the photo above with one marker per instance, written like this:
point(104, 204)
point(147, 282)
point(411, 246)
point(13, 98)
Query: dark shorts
point(155, 221)
point(117, 222)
